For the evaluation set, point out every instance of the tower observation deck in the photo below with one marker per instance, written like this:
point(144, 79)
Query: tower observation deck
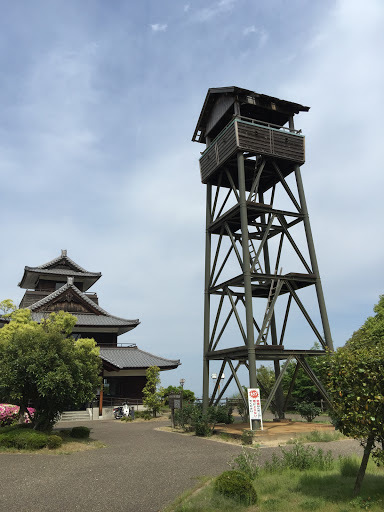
point(260, 260)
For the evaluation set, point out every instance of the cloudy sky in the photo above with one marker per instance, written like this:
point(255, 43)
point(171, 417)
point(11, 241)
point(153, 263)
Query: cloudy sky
point(98, 104)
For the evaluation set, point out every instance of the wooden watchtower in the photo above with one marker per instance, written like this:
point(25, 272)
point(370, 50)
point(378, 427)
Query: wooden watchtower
point(260, 254)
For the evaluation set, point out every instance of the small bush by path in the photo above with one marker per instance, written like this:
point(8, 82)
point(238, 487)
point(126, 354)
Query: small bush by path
point(80, 432)
point(237, 486)
point(23, 438)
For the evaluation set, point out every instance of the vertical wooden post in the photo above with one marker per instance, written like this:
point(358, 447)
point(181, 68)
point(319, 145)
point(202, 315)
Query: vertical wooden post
point(247, 276)
point(207, 309)
point(101, 393)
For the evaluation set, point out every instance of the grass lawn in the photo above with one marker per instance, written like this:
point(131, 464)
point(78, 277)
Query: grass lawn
point(293, 491)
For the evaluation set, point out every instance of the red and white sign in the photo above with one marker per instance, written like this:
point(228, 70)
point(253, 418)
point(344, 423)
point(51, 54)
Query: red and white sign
point(254, 404)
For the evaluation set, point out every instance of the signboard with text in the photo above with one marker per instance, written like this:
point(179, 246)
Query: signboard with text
point(174, 401)
point(254, 404)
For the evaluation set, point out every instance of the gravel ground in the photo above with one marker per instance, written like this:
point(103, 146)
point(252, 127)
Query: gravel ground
point(141, 470)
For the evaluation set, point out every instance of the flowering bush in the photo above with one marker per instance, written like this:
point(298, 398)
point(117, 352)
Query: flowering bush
point(10, 413)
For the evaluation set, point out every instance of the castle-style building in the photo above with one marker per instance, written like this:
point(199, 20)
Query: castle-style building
point(63, 285)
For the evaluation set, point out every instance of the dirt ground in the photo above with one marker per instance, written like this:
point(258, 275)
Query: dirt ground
point(274, 432)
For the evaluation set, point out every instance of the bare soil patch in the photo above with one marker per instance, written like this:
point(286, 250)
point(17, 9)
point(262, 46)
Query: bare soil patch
point(273, 434)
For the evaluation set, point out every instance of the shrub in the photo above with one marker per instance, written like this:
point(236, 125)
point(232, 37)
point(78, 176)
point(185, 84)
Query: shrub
point(126, 419)
point(349, 466)
point(237, 486)
point(247, 462)
point(300, 457)
point(243, 410)
point(247, 437)
point(54, 442)
point(9, 414)
point(145, 415)
point(65, 433)
point(80, 432)
point(224, 414)
point(184, 417)
point(192, 417)
point(308, 410)
point(202, 426)
point(23, 439)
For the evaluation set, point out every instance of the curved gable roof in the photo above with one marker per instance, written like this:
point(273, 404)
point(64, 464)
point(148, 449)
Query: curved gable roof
point(95, 317)
point(63, 259)
point(58, 267)
point(125, 358)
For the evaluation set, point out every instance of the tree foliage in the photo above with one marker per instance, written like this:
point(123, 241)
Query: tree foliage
point(356, 385)
point(188, 395)
point(265, 379)
point(152, 395)
point(304, 389)
point(7, 307)
point(41, 363)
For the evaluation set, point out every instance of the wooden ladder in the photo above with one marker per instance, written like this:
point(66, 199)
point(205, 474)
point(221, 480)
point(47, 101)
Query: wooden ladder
point(274, 292)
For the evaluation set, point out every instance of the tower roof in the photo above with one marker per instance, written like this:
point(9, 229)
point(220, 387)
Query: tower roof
point(218, 106)
point(58, 268)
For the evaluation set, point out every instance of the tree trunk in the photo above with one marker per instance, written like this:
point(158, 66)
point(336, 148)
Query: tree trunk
point(22, 411)
point(363, 465)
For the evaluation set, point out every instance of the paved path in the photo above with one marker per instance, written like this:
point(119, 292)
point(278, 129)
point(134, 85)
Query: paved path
point(140, 470)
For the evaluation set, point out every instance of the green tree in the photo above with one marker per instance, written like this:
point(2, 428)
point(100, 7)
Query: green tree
point(152, 395)
point(7, 307)
point(356, 385)
point(43, 364)
point(265, 379)
point(188, 395)
point(304, 389)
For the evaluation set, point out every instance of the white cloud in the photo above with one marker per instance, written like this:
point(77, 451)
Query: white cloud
point(249, 30)
point(341, 79)
point(208, 13)
point(159, 27)
point(187, 7)
point(260, 32)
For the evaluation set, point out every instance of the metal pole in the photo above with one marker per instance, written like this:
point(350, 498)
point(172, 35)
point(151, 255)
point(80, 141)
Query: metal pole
point(312, 255)
point(279, 397)
point(207, 298)
point(247, 276)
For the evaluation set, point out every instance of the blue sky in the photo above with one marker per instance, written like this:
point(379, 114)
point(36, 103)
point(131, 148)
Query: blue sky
point(98, 104)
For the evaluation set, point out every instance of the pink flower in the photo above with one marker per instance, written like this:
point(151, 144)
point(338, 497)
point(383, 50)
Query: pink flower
point(10, 413)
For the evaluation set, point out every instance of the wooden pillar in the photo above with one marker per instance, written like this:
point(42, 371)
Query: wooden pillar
point(101, 393)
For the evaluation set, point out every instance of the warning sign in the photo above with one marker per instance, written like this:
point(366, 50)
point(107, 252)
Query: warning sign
point(254, 404)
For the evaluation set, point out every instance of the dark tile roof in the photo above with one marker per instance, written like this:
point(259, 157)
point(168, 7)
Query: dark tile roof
point(63, 257)
point(133, 357)
point(87, 319)
point(62, 271)
point(60, 266)
point(32, 296)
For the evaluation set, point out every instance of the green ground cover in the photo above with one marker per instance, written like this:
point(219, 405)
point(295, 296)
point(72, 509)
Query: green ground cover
point(318, 436)
point(289, 490)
